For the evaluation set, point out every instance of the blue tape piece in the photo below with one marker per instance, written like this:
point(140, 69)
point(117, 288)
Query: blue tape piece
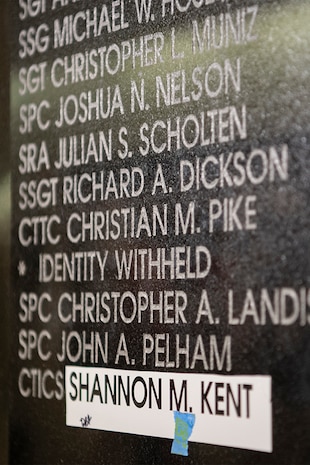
point(184, 424)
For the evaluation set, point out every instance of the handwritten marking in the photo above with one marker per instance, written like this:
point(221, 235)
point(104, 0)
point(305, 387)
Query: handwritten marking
point(86, 421)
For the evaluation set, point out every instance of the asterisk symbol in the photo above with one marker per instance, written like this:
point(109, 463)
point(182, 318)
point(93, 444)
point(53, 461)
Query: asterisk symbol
point(22, 269)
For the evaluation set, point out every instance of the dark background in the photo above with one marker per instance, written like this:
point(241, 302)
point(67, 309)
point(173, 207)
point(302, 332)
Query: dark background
point(4, 228)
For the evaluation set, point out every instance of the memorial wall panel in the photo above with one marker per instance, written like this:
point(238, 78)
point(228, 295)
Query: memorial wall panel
point(160, 232)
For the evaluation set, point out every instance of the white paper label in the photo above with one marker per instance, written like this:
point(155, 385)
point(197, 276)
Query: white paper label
point(233, 411)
